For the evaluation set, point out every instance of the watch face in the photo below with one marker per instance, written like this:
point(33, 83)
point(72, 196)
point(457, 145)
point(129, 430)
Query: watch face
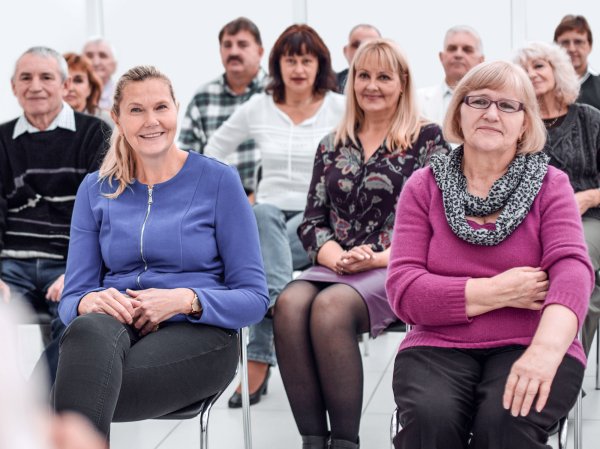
point(196, 308)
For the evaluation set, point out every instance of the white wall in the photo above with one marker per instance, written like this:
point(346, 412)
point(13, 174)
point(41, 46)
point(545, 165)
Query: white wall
point(180, 36)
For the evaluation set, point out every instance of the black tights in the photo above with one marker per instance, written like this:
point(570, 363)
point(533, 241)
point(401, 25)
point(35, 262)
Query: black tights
point(315, 339)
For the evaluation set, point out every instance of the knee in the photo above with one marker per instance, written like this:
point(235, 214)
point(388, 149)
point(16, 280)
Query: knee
point(287, 307)
point(330, 311)
point(92, 328)
point(267, 213)
point(433, 411)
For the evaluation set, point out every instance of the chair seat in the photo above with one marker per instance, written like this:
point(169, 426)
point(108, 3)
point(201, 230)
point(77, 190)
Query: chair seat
point(192, 410)
point(396, 326)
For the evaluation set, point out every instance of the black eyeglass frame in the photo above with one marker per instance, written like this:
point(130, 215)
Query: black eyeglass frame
point(521, 106)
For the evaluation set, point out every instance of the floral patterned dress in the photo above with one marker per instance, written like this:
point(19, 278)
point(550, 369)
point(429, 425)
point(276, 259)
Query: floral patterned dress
point(353, 202)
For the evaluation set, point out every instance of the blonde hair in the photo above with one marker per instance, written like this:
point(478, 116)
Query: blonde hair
point(567, 86)
point(498, 75)
point(406, 124)
point(119, 164)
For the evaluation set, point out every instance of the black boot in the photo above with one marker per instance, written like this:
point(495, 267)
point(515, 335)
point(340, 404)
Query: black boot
point(343, 444)
point(314, 442)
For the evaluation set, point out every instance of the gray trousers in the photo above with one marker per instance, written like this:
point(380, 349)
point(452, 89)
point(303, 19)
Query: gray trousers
point(591, 230)
point(108, 373)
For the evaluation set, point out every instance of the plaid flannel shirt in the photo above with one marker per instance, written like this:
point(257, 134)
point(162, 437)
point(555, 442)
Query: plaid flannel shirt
point(212, 105)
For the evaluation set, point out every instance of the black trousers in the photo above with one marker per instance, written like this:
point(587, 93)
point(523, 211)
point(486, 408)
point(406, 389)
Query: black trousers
point(108, 373)
point(447, 397)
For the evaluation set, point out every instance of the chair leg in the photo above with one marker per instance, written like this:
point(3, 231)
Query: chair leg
point(578, 418)
point(204, 416)
point(245, 391)
point(366, 344)
point(598, 356)
point(393, 428)
point(563, 432)
point(578, 415)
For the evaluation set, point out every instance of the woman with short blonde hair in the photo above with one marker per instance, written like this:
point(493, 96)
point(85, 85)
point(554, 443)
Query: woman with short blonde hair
point(489, 266)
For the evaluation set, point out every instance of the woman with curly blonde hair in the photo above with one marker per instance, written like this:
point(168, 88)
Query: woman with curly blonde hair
point(573, 145)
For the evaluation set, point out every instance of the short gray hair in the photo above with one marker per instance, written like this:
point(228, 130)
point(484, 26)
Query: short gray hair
point(464, 29)
point(46, 52)
point(101, 40)
point(364, 25)
point(567, 87)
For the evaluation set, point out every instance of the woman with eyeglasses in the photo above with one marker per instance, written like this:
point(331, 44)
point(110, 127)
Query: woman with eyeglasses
point(489, 265)
point(573, 146)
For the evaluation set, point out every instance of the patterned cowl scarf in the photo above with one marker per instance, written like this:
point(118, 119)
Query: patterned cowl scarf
point(514, 193)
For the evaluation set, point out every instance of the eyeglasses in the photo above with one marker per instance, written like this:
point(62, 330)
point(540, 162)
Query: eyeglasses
point(577, 43)
point(480, 102)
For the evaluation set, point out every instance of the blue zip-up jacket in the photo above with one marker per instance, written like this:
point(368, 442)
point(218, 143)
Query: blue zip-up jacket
point(196, 230)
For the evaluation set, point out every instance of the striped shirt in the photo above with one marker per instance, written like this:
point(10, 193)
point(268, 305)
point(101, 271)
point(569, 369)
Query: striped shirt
point(211, 105)
point(65, 119)
point(40, 172)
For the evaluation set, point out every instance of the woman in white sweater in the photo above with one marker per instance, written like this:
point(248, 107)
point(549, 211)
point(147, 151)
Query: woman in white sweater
point(287, 123)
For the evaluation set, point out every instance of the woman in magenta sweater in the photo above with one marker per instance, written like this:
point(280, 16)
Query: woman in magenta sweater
point(489, 264)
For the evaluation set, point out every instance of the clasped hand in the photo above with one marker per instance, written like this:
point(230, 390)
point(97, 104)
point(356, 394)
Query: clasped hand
point(357, 259)
point(522, 287)
point(142, 309)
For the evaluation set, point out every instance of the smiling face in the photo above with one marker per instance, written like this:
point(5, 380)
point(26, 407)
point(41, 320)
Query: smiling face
point(541, 74)
point(38, 86)
point(377, 87)
point(461, 53)
point(491, 130)
point(79, 90)
point(148, 117)
point(240, 54)
point(298, 73)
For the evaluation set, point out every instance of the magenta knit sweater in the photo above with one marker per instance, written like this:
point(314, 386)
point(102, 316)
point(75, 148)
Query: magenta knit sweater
point(429, 267)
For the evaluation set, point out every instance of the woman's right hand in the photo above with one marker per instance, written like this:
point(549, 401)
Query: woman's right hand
point(521, 287)
point(110, 302)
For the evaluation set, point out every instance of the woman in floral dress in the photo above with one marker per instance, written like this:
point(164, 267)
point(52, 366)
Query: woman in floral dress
point(358, 173)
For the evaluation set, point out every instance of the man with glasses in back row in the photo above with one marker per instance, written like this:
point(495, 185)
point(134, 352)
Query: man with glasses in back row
point(574, 34)
point(359, 34)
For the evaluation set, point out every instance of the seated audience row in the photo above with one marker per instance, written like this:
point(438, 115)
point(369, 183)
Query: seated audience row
point(137, 297)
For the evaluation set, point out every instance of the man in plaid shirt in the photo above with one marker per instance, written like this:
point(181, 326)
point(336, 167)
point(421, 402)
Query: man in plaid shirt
point(241, 51)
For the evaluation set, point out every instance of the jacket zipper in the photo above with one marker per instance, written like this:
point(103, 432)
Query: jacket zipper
point(150, 201)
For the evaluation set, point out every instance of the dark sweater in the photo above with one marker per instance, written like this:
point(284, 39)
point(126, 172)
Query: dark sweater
point(39, 177)
point(590, 91)
point(574, 147)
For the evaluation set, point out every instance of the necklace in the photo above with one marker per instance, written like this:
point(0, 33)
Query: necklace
point(549, 123)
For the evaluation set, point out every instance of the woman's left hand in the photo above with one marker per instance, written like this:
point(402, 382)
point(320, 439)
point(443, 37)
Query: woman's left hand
point(358, 259)
point(158, 305)
point(586, 199)
point(530, 377)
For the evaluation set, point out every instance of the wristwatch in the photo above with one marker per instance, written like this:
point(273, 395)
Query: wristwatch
point(196, 307)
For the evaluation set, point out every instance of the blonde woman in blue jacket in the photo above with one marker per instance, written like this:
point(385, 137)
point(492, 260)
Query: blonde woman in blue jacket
point(156, 283)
